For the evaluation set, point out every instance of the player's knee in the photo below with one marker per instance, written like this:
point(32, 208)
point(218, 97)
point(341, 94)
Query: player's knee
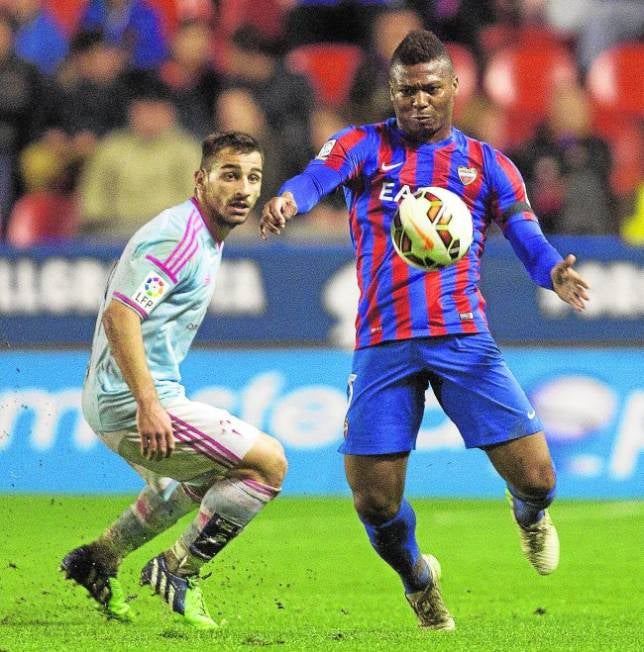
point(539, 481)
point(375, 508)
point(269, 461)
point(277, 465)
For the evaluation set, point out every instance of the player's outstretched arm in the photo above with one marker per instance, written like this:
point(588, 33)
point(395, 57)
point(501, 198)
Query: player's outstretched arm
point(568, 284)
point(123, 331)
point(276, 212)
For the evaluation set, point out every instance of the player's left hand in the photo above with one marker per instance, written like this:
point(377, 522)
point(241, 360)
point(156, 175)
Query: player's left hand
point(568, 284)
point(276, 212)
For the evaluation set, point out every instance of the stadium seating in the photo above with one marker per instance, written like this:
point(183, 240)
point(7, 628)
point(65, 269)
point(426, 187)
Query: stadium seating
point(615, 80)
point(467, 71)
point(498, 36)
point(520, 79)
point(41, 217)
point(67, 14)
point(616, 86)
point(329, 67)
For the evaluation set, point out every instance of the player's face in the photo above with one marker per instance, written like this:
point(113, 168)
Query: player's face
point(229, 190)
point(423, 99)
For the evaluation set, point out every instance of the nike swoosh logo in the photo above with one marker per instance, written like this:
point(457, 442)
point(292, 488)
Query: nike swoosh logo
point(385, 168)
point(531, 414)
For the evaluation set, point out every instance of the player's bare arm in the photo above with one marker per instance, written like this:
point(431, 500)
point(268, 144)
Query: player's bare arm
point(123, 330)
point(276, 212)
point(570, 286)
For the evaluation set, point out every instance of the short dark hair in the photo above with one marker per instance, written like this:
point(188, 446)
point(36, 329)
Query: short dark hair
point(419, 46)
point(235, 140)
point(85, 40)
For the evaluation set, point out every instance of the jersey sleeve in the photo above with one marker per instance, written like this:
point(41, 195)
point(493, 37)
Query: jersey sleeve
point(340, 159)
point(510, 197)
point(151, 270)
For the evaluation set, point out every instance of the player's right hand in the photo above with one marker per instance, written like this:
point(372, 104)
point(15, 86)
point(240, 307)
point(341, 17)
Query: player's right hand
point(276, 212)
point(155, 430)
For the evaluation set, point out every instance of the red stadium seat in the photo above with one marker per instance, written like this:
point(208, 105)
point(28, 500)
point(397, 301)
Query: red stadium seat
point(67, 14)
point(41, 217)
point(615, 79)
point(499, 36)
point(329, 67)
point(625, 137)
point(521, 78)
point(616, 86)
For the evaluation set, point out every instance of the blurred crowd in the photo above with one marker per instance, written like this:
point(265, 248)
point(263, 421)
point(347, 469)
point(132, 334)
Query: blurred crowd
point(103, 103)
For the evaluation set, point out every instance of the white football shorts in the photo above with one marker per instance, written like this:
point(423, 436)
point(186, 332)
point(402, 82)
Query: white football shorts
point(209, 442)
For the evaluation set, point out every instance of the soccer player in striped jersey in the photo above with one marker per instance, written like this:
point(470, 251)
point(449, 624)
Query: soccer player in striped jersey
point(415, 329)
point(190, 454)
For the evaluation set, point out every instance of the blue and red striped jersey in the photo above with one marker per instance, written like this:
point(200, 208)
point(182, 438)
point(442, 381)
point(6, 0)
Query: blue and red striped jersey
point(376, 165)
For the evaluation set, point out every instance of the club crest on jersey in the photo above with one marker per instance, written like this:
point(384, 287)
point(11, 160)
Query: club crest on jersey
point(467, 175)
point(326, 150)
point(151, 291)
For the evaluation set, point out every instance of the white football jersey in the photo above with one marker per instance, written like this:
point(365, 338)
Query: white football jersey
point(166, 275)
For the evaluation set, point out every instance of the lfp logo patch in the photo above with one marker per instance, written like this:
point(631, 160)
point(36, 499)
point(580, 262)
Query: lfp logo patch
point(154, 286)
point(151, 291)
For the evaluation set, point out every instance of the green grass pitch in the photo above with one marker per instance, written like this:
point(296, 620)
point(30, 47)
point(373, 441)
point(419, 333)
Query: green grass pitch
point(303, 577)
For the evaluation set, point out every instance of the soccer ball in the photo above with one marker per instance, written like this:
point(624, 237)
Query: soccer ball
point(432, 229)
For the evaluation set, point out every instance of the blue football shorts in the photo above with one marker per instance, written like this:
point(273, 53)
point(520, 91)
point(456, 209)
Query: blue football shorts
point(473, 384)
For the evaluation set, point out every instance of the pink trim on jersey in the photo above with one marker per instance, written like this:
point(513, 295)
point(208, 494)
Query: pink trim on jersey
point(166, 270)
point(195, 203)
point(192, 249)
point(264, 490)
point(130, 304)
point(189, 428)
point(188, 245)
point(192, 218)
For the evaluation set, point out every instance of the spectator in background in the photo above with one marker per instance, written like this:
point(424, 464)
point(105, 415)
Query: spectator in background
point(598, 24)
point(26, 109)
point(460, 21)
point(267, 16)
point(285, 97)
point(315, 21)
point(137, 171)
point(485, 120)
point(369, 96)
point(91, 100)
point(39, 38)
point(133, 24)
point(236, 109)
point(93, 86)
point(327, 221)
point(567, 169)
point(190, 75)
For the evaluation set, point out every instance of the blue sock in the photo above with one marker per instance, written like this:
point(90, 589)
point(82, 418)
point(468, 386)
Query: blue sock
point(529, 510)
point(395, 542)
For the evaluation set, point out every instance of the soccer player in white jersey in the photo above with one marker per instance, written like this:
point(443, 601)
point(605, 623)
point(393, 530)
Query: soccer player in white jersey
point(190, 454)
